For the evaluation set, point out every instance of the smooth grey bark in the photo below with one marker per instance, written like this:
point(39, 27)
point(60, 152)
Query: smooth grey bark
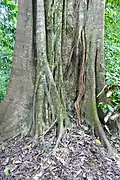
point(15, 110)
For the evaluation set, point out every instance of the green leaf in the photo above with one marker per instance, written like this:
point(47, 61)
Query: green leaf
point(110, 108)
point(7, 171)
point(3, 148)
point(100, 104)
point(105, 108)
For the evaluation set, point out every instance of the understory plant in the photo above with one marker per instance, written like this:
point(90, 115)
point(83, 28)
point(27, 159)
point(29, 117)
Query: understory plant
point(8, 18)
point(112, 54)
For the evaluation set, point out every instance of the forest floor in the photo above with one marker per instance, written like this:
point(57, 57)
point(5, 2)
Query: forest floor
point(79, 157)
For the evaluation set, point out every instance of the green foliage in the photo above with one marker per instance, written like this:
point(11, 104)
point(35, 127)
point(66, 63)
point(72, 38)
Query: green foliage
point(116, 97)
point(112, 50)
point(113, 3)
point(106, 107)
point(3, 83)
point(8, 15)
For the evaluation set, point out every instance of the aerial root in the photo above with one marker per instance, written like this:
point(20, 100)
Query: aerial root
point(58, 140)
point(48, 130)
point(103, 138)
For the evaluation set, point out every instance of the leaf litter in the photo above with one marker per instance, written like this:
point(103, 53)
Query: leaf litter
point(78, 157)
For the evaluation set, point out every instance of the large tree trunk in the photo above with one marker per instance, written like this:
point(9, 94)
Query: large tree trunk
point(57, 67)
point(15, 110)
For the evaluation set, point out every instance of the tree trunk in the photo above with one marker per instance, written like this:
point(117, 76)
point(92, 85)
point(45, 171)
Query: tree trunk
point(15, 110)
point(57, 67)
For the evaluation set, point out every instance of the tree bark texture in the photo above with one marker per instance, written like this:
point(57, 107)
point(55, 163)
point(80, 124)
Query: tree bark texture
point(58, 67)
point(15, 110)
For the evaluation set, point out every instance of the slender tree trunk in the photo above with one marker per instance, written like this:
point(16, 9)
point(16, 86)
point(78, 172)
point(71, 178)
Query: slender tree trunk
point(59, 60)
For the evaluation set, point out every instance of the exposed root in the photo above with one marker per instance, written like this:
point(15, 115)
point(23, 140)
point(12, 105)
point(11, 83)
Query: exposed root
point(52, 125)
point(15, 136)
point(103, 137)
point(102, 91)
point(59, 138)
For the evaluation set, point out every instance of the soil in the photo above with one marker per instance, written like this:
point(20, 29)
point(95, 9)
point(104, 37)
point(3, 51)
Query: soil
point(79, 157)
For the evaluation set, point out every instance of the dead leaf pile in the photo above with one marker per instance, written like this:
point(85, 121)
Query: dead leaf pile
point(79, 157)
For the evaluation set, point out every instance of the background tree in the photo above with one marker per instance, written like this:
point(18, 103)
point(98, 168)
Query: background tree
point(8, 13)
point(58, 62)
